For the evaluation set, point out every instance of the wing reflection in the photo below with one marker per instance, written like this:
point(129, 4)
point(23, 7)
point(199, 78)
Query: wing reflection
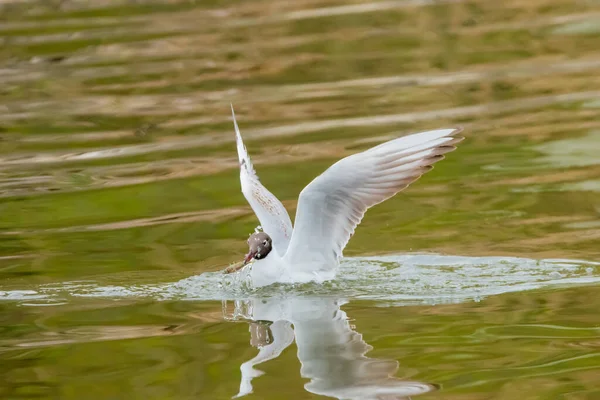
point(331, 353)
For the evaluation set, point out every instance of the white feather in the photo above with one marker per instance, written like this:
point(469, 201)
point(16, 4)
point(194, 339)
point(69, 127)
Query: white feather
point(334, 203)
point(273, 217)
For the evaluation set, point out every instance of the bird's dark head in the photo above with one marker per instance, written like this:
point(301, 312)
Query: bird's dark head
point(260, 245)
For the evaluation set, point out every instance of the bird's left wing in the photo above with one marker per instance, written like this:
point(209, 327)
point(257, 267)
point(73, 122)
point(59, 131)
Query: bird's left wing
point(273, 217)
point(333, 204)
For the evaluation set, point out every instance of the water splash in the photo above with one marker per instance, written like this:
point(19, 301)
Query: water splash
point(394, 279)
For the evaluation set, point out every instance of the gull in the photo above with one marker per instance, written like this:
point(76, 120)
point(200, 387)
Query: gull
point(331, 206)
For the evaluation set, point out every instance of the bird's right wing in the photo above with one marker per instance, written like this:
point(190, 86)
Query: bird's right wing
point(273, 217)
point(333, 204)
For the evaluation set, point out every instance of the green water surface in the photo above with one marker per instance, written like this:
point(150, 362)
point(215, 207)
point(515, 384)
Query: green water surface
point(118, 170)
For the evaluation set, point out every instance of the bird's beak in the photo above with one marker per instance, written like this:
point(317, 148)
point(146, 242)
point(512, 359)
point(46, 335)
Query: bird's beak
point(249, 256)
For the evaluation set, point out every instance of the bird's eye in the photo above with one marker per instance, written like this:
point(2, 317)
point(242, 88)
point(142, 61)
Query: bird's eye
point(265, 242)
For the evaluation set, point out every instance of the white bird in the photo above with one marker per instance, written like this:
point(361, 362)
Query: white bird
point(331, 206)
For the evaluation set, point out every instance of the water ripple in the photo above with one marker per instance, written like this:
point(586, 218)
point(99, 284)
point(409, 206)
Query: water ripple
point(392, 280)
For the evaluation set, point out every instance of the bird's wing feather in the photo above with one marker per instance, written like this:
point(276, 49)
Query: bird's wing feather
point(334, 203)
point(272, 215)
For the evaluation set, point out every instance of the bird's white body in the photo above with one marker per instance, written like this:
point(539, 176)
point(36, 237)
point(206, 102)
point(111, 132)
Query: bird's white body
point(333, 204)
point(277, 269)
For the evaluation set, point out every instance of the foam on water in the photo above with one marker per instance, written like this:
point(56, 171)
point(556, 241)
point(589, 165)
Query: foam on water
point(393, 279)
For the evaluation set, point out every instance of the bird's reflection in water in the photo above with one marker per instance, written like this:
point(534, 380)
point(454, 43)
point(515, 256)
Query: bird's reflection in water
point(331, 353)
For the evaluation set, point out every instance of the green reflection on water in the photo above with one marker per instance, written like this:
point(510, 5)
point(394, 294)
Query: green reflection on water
point(160, 75)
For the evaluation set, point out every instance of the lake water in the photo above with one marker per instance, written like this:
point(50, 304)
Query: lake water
point(120, 200)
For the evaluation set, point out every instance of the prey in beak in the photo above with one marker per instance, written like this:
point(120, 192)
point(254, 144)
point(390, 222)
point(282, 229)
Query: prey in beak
point(249, 257)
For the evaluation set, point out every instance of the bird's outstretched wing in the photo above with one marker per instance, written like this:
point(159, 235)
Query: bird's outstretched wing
point(272, 215)
point(334, 203)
